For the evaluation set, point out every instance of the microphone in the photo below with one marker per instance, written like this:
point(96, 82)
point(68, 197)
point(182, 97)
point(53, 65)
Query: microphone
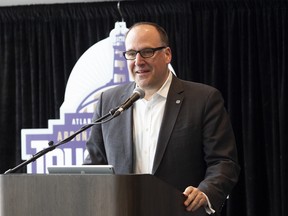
point(138, 93)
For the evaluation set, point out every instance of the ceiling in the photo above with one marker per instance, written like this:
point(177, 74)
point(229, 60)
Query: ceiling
point(29, 2)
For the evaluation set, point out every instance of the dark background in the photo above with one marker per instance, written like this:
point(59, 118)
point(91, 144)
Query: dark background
point(239, 46)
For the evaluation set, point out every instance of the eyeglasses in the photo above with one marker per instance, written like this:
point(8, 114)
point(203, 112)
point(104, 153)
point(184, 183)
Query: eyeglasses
point(145, 53)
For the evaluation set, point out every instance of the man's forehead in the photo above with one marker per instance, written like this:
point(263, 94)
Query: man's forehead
point(144, 28)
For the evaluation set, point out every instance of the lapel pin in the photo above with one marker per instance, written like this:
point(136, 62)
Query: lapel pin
point(178, 101)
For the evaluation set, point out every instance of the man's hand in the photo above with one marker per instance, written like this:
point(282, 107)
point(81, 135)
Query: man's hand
point(195, 199)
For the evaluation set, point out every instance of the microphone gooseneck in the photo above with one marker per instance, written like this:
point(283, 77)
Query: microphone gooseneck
point(137, 94)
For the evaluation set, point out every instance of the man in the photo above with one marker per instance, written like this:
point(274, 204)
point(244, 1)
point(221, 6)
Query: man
point(179, 132)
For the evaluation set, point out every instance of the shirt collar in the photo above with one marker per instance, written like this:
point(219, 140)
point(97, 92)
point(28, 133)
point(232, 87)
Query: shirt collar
point(163, 91)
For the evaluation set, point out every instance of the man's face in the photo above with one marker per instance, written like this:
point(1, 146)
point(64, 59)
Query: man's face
point(148, 73)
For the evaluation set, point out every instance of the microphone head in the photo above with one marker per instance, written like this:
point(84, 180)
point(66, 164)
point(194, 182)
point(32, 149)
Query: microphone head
point(140, 92)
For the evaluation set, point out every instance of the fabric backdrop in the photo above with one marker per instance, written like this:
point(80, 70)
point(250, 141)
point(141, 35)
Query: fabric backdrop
point(239, 46)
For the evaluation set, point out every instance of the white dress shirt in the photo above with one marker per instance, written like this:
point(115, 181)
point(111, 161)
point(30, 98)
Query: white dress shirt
point(147, 119)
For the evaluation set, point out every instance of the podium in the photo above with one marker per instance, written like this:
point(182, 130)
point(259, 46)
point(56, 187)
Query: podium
point(85, 195)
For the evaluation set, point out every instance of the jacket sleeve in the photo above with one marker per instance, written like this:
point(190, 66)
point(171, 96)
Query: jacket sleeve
point(95, 143)
point(220, 152)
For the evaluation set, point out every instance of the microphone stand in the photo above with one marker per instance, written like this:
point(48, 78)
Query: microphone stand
point(69, 138)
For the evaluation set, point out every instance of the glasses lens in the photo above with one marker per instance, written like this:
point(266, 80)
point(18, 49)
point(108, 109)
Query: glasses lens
point(146, 53)
point(130, 54)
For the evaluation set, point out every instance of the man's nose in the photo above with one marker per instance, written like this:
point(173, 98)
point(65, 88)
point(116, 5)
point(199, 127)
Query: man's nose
point(139, 59)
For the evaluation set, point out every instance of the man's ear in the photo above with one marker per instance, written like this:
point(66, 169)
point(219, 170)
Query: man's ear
point(168, 55)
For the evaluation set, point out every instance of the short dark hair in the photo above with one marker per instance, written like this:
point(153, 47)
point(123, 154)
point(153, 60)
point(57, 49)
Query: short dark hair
point(163, 35)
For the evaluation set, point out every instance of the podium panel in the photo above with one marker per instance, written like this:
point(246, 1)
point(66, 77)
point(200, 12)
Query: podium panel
point(85, 195)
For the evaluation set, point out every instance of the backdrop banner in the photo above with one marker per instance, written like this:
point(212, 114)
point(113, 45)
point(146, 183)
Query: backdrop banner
point(101, 67)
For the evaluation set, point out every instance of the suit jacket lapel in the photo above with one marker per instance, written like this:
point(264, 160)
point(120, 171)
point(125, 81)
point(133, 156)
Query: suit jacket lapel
point(172, 108)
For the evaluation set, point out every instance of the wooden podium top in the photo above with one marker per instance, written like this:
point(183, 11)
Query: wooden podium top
point(85, 195)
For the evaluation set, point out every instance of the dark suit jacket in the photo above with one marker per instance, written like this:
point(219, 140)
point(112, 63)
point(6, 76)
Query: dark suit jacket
point(196, 144)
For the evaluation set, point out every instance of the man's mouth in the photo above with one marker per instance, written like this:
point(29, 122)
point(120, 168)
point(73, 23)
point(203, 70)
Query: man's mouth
point(142, 71)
